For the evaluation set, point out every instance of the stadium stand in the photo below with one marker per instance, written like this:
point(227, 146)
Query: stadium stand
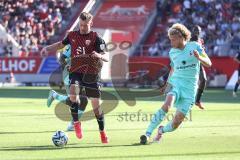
point(219, 21)
point(33, 23)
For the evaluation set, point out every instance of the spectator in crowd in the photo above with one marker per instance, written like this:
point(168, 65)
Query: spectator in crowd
point(2, 51)
point(219, 21)
point(33, 22)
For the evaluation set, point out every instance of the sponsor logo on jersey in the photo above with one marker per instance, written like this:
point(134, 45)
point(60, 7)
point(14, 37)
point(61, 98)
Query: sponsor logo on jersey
point(87, 42)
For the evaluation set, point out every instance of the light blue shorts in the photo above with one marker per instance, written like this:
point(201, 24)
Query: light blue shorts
point(183, 99)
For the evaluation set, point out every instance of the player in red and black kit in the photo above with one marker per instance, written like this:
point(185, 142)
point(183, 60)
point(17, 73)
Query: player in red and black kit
point(202, 75)
point(237, 59)
point(87, 50)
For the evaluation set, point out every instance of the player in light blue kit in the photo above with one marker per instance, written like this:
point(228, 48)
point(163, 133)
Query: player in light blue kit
point(185, 57)
point(65, 61)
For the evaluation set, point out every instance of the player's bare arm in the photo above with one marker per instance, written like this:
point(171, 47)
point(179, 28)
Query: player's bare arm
point(170, 73)
point(163, 87)
point(99, 55)
point(204, 59)
point(52, 48)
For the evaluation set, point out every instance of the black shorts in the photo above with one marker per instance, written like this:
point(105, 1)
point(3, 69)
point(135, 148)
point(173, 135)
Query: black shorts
point(88, 82)
point(239, 73)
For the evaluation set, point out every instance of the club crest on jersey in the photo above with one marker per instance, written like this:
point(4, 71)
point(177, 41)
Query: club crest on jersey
point(191, 53)
point(87, 42)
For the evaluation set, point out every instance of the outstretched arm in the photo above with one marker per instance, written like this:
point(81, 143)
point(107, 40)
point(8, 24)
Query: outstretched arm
point(163, 89)
point(203, 58)
point(52, 48)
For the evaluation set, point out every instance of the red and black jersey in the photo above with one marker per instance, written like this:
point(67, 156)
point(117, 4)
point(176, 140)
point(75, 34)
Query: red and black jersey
point(82, 46)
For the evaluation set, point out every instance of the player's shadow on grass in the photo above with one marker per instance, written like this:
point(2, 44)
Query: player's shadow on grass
point(27, 132)
point(87, 130)
point(29, 148)
point(69, 146)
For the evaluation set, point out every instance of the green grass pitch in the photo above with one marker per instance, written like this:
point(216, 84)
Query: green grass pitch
point(27, 125)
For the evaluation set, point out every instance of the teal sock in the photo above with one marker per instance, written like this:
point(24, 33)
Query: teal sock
point(168, 127)
point(156, 120)
point(80, 113)
point(59, 97)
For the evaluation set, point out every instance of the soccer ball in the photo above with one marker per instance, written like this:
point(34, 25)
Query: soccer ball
point(60, 139)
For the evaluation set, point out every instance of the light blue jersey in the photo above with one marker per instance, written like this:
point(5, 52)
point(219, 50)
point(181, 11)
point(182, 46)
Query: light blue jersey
point(67, 53)
point(184, 79)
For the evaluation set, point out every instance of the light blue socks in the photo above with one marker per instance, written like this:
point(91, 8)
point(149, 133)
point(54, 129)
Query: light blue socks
point(155, 121)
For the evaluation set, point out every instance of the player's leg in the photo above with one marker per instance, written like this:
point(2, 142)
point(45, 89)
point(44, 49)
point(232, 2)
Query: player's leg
point(201, 87)
point(81, 109)
point(100, 118)
point(83, 103)
point(68, 102)
point(54, 95)
point(75, 102)
point(183, 108)
point(70, 126)
point(236, 85)
point(171, 126)
point(92, 89)
point(160, 114)
point(98, 112)
point(158, 117)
